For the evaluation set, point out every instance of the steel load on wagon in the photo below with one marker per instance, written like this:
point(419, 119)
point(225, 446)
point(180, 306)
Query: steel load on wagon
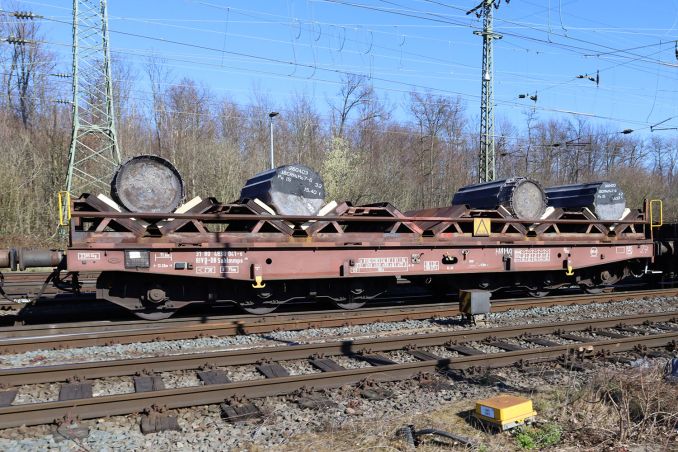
point(522, 197)
point(289, 189)
point(605, 199)
point(147, 183)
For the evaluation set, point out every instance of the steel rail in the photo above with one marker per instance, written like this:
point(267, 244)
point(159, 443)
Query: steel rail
point(116, 368)
point(37, 337)
point(26, 338)
point(121, 404)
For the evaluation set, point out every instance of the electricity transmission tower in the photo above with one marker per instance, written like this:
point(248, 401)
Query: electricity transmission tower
point(94, 154)
point(486, 159)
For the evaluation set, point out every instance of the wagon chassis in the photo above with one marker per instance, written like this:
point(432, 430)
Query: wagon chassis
point(156, 263)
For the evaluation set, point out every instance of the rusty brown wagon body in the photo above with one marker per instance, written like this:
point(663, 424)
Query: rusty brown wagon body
point(155, 263)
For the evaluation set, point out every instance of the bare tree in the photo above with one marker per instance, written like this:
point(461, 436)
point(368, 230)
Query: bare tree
point(431, 113)
point(353, 92)
point(305, 131)
point(159, 76)
point(530, 118)
point(27, 66)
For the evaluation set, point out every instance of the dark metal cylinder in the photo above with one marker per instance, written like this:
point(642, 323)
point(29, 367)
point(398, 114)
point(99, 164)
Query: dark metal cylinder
point(523, 198)
point(290, 190)
point(28, 258)
point(147, 183)
point(605, 199)
point(5, 258)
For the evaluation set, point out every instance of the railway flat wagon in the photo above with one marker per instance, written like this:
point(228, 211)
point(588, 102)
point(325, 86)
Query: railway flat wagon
point(244, 253)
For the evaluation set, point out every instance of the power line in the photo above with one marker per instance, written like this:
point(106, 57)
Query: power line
point(193, 61)
point(512, 104)
point(410, 85)
point(576, 49)
point(449, 23)
point(442, 19)
point(534, 27)
point(250, 37)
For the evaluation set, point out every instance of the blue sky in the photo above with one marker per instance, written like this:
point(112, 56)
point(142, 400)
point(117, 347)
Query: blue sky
point(283, 48)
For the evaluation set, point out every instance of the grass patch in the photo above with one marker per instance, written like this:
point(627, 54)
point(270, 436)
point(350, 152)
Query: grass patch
point(539, 437)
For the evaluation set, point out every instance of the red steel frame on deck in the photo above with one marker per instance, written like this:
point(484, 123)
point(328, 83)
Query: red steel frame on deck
point(244, 242)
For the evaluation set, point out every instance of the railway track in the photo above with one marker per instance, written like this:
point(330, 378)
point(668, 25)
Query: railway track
point(80, 334)
point(573, 341)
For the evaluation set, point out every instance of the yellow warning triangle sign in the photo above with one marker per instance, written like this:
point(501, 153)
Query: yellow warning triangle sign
point(481, 227)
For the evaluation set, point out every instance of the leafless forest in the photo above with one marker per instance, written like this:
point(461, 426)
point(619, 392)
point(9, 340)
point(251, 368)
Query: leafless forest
point(364, 152)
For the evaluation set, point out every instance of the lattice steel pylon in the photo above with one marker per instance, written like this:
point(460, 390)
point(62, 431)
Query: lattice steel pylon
point(486, 167)
point(94, 153)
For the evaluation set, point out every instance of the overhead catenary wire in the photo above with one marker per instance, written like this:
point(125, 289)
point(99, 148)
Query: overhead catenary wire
point(514, 104)
point(202, 3)
point(437, 17)
point(440, 18)
point(311, 66)
point(626, 89)
point(465, 95)
point(325, 23)
point(635, 59)
point(423, 87)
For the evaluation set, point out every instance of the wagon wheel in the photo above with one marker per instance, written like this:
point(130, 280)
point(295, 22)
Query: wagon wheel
point(536, 293)
point(154, 302)
point(143, 296)
point(259, 303)
point(351, 301)
point(257, 308)
point(601, 283)
point(154, 314)
point(354, 294)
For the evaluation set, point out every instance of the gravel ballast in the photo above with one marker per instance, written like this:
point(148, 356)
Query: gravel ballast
point(314, 335)
point(203, 428)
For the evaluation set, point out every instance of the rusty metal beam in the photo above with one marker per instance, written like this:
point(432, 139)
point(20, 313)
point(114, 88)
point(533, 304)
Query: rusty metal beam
point(346, 218)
